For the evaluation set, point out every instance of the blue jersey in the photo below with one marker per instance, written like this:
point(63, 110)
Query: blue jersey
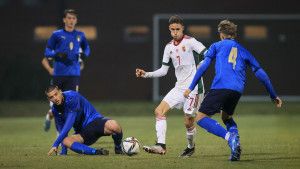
point(76, 112)
point(70, 43)
point(230, 68)
point(231, 63)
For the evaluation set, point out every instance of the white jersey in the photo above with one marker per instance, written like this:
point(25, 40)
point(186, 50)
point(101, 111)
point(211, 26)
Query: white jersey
point(183, 59)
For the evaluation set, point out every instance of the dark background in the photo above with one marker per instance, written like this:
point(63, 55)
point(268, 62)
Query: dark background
point(109, 72)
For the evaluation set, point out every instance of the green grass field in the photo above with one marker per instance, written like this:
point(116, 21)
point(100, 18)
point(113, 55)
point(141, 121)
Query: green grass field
point(270, 138)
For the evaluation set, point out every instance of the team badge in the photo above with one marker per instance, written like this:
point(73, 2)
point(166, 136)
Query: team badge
point(71, 45)
point(183, 48)
point(78, 38)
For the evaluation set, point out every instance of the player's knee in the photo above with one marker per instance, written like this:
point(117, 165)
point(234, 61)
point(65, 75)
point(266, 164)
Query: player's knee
point(159, 113)
point(67, 142)
point(189, 121)
point(113, 126)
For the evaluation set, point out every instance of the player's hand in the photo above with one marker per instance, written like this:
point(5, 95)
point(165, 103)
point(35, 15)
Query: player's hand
point(278, 102)
point(186, 93)
point(139, 72)
point(53, 150)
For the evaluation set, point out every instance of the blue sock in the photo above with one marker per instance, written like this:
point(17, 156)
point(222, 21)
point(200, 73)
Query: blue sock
point(117, 137)
point(231, 125)
point(212, 126)
point(64, 150)
point(82, 149)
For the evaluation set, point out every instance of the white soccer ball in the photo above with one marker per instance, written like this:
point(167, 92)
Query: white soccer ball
point(130, 146)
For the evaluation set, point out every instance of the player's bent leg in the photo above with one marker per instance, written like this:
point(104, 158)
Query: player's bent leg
point(233, 141)
point(190, 134)
point(161, 129)
point(230, 123)
point(212, 126)
point(113, 128)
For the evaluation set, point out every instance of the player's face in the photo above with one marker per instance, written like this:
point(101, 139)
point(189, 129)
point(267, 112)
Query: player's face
point(70, 21)
point(176, 31)
point(55, 96)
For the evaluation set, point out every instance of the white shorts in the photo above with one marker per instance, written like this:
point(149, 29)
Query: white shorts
point(190, 106)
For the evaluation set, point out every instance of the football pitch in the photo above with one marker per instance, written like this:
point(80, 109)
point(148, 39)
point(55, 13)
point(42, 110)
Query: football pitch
point(270, 138)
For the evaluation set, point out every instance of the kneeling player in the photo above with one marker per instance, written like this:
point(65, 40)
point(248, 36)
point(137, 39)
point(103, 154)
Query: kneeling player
point(70, 109)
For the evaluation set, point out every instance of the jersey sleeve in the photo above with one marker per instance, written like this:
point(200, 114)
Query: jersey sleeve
point(59, 122)
point(50, 48)
point(166, 57)
point(66, 128)
point(197, 46)
point(251, 61)
point(85, 46)
point(200, 71)
point(211, 52)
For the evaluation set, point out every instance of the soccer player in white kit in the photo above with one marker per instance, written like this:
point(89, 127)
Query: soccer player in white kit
point(180, 52)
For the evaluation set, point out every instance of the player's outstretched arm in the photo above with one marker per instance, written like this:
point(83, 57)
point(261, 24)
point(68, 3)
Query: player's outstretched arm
point(264, 78)
point(67, 127)
point(162, 71)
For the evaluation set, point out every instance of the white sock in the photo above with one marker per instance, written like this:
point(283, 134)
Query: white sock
point(190, 134)
point(161, 130)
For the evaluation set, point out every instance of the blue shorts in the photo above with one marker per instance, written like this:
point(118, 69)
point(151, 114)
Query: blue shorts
point(93, 131)
point(66, 82)
point(219, 99)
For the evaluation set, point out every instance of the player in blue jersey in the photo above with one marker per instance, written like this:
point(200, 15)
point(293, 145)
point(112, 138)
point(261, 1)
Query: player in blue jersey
point(67, 48)
point(71, 109)
point(232, 60)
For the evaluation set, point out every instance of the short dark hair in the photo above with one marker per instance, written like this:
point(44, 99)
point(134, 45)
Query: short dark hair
point(228, 28)
point(175, 19)
point(51, 88)
point(70, 11)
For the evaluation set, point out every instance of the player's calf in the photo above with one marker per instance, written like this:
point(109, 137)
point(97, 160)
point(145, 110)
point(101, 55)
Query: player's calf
point(113, 128)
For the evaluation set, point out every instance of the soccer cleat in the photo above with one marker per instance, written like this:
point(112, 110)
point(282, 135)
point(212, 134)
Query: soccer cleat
point(47, 125)
point(102, 151)
point(234, 144)
point(187, 152)
point(155, 149)
point(118, 150)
